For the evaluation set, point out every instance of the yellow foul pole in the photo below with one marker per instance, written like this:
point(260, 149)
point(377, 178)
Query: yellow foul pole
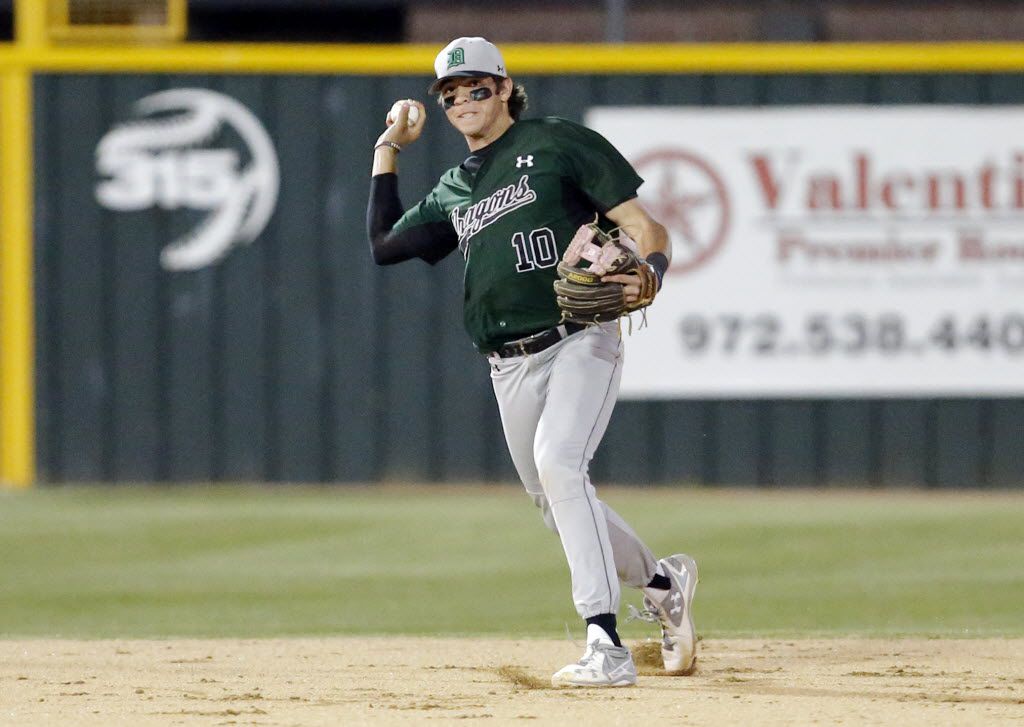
point(17, 413)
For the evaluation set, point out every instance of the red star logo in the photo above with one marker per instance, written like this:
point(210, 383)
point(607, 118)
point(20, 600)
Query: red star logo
point(673, 207)
point(688, 197)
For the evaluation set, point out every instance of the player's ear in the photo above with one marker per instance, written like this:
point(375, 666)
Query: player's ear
point(505, 89)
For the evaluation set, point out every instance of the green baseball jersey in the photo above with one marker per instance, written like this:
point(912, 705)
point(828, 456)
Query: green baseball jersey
point(515, 215)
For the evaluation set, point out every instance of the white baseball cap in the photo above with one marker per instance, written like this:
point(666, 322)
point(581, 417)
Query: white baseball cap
point(468, 58)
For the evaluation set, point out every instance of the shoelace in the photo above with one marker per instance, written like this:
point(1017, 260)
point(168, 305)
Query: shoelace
point(588, 654)
point(629, 321)
point(568, 636)
point(636, 614)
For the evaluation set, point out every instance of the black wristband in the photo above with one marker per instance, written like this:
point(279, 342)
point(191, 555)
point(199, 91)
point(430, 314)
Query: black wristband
point(659, 262)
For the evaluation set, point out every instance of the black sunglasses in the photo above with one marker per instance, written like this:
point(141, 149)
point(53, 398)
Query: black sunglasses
point(477, 94)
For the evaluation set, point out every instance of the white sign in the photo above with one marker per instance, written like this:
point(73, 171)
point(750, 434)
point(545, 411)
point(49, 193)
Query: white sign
point(830, 251)
point(163, 158)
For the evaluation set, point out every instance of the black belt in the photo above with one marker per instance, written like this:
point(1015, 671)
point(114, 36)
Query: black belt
point(538, 341)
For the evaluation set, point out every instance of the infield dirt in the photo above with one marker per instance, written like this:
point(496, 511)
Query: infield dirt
point(347, 681)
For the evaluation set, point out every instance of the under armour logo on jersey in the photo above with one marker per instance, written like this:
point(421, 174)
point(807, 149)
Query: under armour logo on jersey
point(526, 161)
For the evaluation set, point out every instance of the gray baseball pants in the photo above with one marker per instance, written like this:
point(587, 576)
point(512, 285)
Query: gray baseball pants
point(555, 406)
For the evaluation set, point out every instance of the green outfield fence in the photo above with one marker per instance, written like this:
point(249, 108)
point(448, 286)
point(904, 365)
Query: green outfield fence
point(295, 359)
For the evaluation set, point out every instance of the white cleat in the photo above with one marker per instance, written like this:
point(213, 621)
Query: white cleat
point(603, 665)
point(674, 612)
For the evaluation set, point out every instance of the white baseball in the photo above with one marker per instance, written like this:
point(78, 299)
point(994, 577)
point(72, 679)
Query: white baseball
point(414, 112)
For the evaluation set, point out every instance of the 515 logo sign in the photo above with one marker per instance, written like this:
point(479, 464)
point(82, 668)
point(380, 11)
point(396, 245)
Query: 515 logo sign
point(192, 149)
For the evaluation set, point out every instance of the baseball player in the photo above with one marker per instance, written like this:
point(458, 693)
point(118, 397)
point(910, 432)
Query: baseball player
point(511, 209)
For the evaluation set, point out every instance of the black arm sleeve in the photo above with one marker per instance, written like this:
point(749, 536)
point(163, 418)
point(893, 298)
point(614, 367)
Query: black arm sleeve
point(430, 242)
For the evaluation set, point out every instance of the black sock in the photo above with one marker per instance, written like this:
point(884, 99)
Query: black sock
point(661, 582)
point(607, 622)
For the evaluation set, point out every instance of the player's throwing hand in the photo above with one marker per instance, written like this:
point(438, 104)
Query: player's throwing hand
point(400, 131)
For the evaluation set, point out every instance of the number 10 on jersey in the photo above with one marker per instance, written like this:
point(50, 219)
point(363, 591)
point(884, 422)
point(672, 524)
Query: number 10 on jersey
point(538, 250)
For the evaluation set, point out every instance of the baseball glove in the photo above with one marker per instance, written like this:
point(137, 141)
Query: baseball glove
point(581, 294)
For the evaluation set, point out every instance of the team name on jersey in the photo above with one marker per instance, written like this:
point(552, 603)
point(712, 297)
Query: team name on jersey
point(486, 211)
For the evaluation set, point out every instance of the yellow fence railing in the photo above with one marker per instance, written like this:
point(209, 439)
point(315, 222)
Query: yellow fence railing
point(139, 21)
point(37, 49)
point(524, 58)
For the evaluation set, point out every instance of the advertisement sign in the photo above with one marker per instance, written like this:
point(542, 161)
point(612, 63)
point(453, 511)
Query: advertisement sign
point(830, 251)
point(173, 155)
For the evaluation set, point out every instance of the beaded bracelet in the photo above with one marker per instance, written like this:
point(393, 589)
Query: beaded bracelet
point(391, 144)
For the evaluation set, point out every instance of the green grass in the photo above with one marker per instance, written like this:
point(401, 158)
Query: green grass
point(251, 562)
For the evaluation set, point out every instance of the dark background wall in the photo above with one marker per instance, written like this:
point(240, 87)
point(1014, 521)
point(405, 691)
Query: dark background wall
point(433, 21)
point(295, 359)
